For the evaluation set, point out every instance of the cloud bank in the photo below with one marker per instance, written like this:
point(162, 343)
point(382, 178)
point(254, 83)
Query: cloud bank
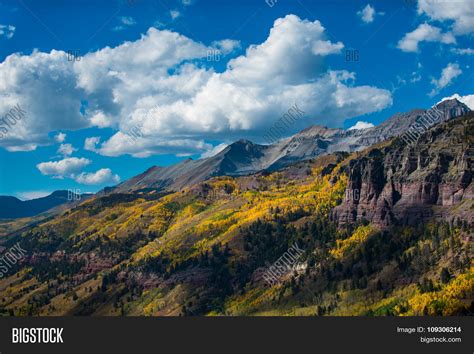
point(459, 12)
point(161, 84)
point(457, 16)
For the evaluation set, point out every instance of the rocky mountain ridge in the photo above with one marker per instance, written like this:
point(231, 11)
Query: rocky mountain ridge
point(244, 157)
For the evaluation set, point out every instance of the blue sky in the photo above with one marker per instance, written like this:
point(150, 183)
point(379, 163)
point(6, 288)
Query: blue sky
point(158, 81)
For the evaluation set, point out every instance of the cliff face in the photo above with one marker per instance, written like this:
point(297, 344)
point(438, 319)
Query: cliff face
point(407, 184)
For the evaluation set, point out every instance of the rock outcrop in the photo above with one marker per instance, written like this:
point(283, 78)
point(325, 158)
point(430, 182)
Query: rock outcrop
point(408, 184)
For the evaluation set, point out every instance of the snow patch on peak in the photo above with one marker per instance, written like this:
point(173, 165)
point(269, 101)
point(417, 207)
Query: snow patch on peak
point(361, 125)
point(468, 100)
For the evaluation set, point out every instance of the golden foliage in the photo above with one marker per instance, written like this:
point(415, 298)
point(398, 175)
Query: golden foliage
point(446, 301)
point(360, 235)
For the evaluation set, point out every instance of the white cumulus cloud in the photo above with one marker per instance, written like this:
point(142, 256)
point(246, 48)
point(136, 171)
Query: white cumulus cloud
point(60, 137)
point(63, 168)
point(31, 80)
point(101, 176)
point(368, 13)
point(226, 46)
point(91, 143)
point(424, 33)
point(325, 47)
point(458, 12)
point(448, 74)
point(66, 149)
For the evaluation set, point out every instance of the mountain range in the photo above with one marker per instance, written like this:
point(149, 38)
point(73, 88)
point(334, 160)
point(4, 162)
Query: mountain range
point(244, 157)
point(382, 227)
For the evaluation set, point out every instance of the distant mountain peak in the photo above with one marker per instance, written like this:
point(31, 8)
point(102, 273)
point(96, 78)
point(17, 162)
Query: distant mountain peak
point(12, 207)
point(244, 147)
point(242, 142)
point(318, 131)
point(244, 157)
point(468, 100)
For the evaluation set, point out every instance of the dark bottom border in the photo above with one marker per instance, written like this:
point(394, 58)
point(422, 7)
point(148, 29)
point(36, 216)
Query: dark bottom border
point(345, 335)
